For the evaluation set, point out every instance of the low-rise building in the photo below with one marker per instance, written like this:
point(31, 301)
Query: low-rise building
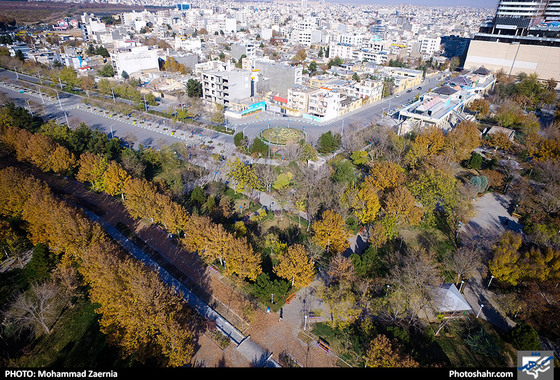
point(134, 59)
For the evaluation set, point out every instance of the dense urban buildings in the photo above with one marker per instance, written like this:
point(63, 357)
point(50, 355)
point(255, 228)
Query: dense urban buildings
point(340, 56)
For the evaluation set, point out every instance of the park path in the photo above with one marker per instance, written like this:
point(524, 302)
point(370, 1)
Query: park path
point(491, 220)
point(275, 335)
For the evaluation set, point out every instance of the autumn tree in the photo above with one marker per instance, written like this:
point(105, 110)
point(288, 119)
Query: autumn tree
point(330, 232)
point(138, 312)
point(427, 143)
point(114, 179)
point(500, 140)
point(400, 204)
point(364, 202)
point(548, 149)
point(243, 175)
point(385, 175)
point(242, 260)
point(16, 188)
point(382, 353)
point(504, 265)
point(294, 265)
point(480, 107)
point(342, 305)
point(140, 198)
point(462, 140)
point(91, 168)
point(541, 264)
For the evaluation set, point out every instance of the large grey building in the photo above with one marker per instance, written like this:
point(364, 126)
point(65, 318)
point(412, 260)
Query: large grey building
point(534, 22)
point(523, 37)
point(278, 76)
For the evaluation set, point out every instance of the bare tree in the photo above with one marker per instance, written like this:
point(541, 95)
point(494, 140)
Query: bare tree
point(464, 261)
point(36, 309)
point(412, 281)
point(266, 175)
point(293, 151)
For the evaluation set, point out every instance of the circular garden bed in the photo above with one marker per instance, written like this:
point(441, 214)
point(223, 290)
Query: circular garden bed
point(282, 135)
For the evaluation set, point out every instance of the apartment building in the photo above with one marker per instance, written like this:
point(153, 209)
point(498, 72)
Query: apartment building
point(323, 105)
point(298, 99)
point(278, 76)
point(429, 46)
point(369, 90)
point(225, 87)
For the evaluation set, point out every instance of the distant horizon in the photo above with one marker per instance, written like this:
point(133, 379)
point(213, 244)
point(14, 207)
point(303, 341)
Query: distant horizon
point(426, 3)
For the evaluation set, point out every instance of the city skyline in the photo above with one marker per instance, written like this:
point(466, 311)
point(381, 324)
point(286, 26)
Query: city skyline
point(427, 3)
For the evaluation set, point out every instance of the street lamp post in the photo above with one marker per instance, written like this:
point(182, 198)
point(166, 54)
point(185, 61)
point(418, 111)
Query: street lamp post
point(489, 282)
point(477, 314)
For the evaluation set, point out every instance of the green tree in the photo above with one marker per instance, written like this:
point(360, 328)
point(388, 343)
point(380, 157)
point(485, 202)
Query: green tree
point(259, 147)
point(312, 67)
point(194, 88)
point(19, 55)
point(525, 337)
point(106, 70)
point(328, 143)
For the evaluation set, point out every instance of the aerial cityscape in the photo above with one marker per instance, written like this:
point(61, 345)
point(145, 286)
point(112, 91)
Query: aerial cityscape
point(280, 184)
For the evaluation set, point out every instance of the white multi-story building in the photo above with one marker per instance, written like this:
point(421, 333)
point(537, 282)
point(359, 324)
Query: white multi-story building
point(324, 104)
point(430, 45)
point(343, 51)
point(134, 59)
point(91, 26)
point(224, 87)
point(369, 90)
point(188, 44)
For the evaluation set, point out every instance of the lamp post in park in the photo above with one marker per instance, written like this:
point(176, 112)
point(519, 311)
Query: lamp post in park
point(477, 314)
point(489, 282)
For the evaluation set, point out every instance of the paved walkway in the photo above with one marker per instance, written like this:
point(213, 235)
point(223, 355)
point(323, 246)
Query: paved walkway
point(262, 342)
point(254, 353)
point(490, 222)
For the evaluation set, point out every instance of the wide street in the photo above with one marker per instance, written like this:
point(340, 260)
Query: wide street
point(69, 107)
point(252, 125)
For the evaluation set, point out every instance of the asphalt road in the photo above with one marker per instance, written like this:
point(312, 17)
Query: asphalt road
point(66, 108)
point(252, 125)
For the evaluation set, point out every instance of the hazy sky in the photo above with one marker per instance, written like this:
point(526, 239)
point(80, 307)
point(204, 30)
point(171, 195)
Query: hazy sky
point(438, 3)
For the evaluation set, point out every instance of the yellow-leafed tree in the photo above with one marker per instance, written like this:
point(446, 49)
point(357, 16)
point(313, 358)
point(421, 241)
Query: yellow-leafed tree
point(505, 264)
point(91, 169)
point(243, 175)
point(331, 232)
point(294, 265)
point(114, 179)
point(385, 175)
point(363, 201)
point(381, 353)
